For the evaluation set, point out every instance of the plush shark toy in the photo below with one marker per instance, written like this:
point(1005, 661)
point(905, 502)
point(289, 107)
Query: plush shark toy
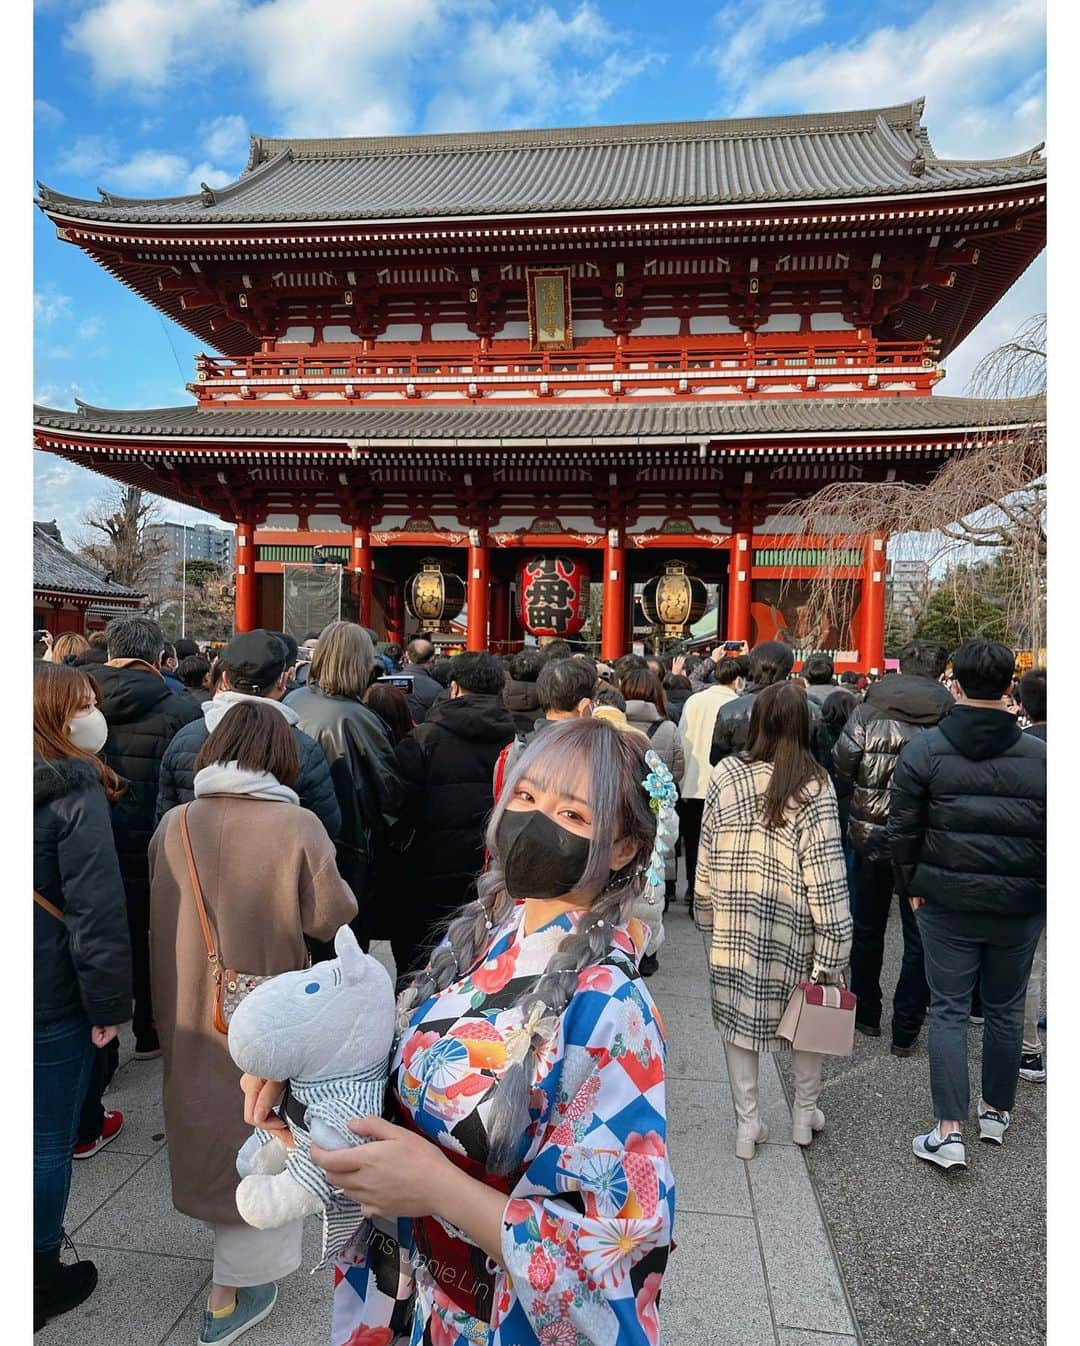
point(328, 1030)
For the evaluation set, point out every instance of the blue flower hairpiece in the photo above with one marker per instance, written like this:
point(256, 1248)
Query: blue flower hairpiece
point(663, 797)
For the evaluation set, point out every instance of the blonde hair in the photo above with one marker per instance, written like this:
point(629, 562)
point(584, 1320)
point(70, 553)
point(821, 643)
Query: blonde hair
point(67, 645)
point(343, 661)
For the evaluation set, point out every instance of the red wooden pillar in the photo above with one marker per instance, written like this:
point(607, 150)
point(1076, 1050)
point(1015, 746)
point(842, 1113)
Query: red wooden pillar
point(613, 608)
point(395, 613)
point(500, 616)
point(363, 565)
point(738, 594)
point(246, 597)
point(476, 594)
point(872, 635)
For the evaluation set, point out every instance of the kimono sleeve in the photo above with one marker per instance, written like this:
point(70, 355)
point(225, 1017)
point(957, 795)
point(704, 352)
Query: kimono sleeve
point(586, 1230)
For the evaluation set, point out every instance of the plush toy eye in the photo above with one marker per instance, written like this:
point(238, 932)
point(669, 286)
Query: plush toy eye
point(311, 988)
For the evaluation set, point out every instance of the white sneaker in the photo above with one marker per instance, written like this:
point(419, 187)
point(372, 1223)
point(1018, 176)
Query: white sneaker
point(992, 1124)
point(947, 1153)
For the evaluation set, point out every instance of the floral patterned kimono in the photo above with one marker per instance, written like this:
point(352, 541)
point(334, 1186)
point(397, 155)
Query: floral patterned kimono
point(590, 1208)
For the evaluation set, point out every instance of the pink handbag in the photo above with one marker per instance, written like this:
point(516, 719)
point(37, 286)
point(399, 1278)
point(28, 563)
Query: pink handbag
point(819, 1019)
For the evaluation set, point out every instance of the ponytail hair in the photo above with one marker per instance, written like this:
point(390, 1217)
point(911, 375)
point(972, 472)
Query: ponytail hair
point(613, 763)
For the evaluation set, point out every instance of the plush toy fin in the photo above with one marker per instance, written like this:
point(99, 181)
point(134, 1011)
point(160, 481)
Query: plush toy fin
point(351, 955)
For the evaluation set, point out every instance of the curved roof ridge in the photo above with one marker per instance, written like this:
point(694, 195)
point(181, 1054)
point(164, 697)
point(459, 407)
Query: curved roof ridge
point(629, 133)
point(47, 196)
point(1023, 159)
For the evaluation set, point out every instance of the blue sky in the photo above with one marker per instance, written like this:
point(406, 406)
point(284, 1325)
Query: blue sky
point(153, 97)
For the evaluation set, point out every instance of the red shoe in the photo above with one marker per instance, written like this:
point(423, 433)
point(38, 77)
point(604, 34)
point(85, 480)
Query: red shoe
point(110, 1129)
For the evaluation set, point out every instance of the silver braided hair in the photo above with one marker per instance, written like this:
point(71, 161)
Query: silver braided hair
point(613, 762)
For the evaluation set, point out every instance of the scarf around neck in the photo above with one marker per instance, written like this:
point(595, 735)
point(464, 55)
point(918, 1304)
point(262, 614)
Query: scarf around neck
point(214, 710)
point(228, 778)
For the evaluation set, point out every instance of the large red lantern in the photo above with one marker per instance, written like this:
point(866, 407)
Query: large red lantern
point(553, 596)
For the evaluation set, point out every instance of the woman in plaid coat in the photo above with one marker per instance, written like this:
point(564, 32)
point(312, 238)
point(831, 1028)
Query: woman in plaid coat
point(772, 900)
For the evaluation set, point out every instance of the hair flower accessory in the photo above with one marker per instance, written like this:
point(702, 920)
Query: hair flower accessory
point(663, 796)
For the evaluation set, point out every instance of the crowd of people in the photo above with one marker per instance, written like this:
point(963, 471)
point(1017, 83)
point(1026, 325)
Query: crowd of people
point(509, 825)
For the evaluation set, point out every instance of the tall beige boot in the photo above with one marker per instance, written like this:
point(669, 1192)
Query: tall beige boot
point(806, 1116)
point(750, 1131)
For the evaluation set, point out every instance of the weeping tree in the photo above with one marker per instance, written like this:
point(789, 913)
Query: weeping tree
point(116, 539)
point(983, 512)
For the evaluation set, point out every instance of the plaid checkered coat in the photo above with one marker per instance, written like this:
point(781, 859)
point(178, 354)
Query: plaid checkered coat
point(772, 902)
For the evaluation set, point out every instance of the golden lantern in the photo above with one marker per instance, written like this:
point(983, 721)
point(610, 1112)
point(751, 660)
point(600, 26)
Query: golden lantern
point(674, 599)
point(434, 595)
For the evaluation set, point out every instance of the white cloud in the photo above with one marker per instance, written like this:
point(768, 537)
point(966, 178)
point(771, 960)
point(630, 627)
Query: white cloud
point(978, 62)
point(348, 69)
point(45, 114)
point(85, 156)
point(341, 69)
point(148, 170)
point(57, 395)
point(89, 328)
point(225, 138)
point(49, 307)
point(210, 174)
point(745, 34)
point(141, 44)
point(525, 71)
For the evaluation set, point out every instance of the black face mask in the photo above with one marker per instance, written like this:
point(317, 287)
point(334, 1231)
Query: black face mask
point(539, 858)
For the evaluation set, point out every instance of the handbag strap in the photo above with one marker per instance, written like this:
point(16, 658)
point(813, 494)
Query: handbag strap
point(46, 905)
point(196, 887)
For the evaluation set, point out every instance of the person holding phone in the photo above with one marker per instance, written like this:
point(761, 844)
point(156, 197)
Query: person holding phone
point(82, 955)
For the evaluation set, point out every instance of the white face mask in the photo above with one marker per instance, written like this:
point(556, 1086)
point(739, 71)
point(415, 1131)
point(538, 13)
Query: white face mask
point(89, 730)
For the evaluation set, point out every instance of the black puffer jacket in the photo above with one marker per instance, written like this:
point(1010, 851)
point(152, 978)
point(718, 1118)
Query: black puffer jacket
point(827, 740)
point(522, 700)
point(732, 726)
point(315, 787)
point(143, 718)
point(447, 763)
point(367, 783)
point(83, 963)
point(967, 816)
point(897, 710)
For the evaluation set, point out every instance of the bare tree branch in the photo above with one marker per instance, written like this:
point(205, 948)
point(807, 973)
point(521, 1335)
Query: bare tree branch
point(988, 498)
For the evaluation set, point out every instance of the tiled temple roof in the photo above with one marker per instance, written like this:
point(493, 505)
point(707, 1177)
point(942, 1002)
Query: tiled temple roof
point(879, 152)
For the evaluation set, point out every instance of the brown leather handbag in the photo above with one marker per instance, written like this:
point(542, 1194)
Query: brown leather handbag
point(230, 986)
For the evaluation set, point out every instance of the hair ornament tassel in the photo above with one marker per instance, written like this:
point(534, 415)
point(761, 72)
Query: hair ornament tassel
point(663, 796)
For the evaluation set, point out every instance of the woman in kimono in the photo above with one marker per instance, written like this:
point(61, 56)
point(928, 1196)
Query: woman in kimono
point(526, 1176)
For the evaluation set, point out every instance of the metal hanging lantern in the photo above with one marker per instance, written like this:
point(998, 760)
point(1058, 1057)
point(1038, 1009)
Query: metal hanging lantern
point(674, 599)
point(553, 596)
point(434, 595)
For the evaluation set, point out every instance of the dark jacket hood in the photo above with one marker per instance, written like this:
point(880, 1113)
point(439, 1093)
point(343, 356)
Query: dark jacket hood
point(473, 716)
point(520, 697)
point(128, 694)
point(978, 733)
point(909, 698)
point(64, 776)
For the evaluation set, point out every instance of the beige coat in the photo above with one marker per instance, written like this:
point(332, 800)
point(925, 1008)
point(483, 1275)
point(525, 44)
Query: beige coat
point(268, 876)
point(772, 902)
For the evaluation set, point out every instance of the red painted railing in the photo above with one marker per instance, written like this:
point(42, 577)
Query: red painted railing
point(667, 366)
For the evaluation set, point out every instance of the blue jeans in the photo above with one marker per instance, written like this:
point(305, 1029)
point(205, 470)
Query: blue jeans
point(964, 949)
point(63, 1060)
point(872, 899)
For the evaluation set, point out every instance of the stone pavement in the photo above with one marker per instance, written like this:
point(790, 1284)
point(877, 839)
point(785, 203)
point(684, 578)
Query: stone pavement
point(754, 1264)
point(930, 1257)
